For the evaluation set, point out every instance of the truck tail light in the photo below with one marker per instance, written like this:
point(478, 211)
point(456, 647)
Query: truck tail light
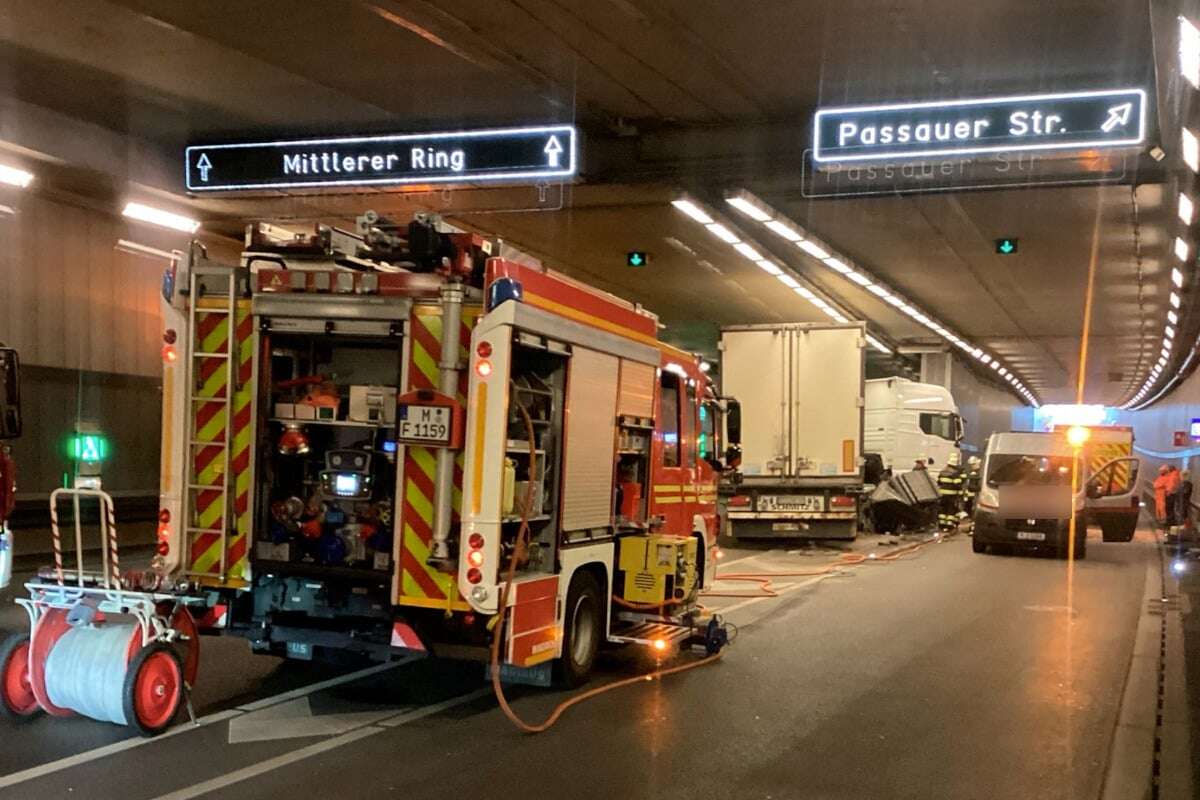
point(475, 540)
point(474, 575)
point(841, 501)
point(163, 548)
point(164, 516)
point(483, 349)
point(169, 354)
point(483, 368)
point(475, 558)
point(739, 501)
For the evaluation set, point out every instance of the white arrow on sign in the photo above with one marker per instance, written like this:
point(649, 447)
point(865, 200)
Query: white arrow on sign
point(204, 165)
point(1117, 115)
point(552, 150)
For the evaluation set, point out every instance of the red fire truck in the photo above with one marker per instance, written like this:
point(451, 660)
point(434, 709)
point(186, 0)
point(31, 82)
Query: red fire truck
point(364, 435)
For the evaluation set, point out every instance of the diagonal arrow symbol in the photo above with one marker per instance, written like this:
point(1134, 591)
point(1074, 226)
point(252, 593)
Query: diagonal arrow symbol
point(1117, 115)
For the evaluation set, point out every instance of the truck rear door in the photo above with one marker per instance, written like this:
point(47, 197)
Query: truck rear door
point(755, 369)
point(827, 384)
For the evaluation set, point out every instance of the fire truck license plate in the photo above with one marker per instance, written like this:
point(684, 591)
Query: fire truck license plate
point(425, 424)
point(791, 502)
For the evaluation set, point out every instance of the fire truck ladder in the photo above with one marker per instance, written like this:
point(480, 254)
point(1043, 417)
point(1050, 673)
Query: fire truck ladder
point(197, 358)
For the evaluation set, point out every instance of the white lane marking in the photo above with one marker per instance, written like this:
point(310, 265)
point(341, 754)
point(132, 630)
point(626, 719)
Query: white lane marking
point(779, 589)
point(263, 767)
point(51, 767)
point(109, 749)
point(326, 684)
point(295, 720)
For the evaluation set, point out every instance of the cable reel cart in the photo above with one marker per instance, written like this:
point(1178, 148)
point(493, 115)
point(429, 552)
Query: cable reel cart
point(95, 647)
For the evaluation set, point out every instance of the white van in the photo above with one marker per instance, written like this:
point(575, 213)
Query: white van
point(905, 422)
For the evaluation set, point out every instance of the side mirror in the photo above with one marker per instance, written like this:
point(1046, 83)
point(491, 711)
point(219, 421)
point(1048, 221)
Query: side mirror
point(10, 394)
point(733, 424)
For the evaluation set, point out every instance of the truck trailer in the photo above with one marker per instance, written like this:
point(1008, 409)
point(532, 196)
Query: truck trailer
point(800, 387)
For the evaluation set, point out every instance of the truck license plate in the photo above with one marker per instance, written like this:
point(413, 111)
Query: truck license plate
point(791, 502)
point(1031, 536)
point(429, 424)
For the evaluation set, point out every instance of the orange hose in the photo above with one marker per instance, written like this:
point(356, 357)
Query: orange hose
point(764, 579)
point(498, 629)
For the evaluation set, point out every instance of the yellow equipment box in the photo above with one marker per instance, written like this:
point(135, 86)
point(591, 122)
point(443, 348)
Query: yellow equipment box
point(655, 568)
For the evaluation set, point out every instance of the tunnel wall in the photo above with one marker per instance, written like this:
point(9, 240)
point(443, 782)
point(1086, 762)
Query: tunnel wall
point(85, 319)
point(1154, 428)
point(985, 408)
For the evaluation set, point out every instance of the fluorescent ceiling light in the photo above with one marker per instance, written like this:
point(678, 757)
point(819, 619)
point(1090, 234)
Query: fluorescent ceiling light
point(1167, 342)
point(878, 345)
point(977, 352)
point(7, 211)
point(896, 301)
point(996, 365)
point(1169, 332)
point(1189, 52)
point(788, 281)
point(1191, 149)
point(1172, 317)
point(781, 228)
point(1187, 209)
point(1176, 277)
point(821, 304)
point(1181, 249)
point(15, 177)
point(1166, 351)
point(924, 320)
point(859, 278)
point(1174, 299)
point(806, 293)
point(838, 317)
point(813, 249)
point(1003, 373)
point(986, 359)
point(157, 216)
point(692, 210)
point(748, 251)
point(139, 249)
point(721, 232)
point(742, 202)
point(837, 265)
point(768, 267)
point(878, 291)
point(832, 313)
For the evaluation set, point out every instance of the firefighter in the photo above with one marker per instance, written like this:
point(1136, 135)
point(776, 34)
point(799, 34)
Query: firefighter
point(950, 487)
point(971, 484)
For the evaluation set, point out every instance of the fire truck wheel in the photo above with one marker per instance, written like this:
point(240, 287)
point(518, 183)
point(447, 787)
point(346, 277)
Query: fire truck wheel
point(16, 695)
point(153, 689)
point(583, 622)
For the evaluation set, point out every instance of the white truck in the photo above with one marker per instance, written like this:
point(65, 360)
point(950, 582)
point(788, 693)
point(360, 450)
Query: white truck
point(801, 393)
point(907, 422)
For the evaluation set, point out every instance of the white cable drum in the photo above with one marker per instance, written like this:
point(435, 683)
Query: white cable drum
point(85, 671)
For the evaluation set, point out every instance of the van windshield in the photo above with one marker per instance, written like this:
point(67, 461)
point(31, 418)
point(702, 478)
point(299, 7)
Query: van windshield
point(1006, 469)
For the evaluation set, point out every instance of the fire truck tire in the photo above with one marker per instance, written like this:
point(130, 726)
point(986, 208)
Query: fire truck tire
point(153, 689)
point(583, 626)
point(17, 700)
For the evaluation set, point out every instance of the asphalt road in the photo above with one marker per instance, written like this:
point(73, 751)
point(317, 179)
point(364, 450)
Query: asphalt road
point(942, 674)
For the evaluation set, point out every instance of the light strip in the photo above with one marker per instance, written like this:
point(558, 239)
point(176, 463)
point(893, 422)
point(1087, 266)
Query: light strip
point(1181, 249)
point(1191, 149)
point(1187, 209)
point(813, 249)
point(1189, 52)
point(15, 177)
point(745, 203)
point(139, 249)
point(788, 281)
point(157, 216)
point(768, 267)
point(783, 230)
point(748, 251)
point(692, 210)
point(721, 232)
point(878, 345)
point(1177, 278)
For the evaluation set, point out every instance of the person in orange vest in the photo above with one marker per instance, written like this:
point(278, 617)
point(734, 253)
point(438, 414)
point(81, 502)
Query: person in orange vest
point(1161, 484)
point(1174, 480)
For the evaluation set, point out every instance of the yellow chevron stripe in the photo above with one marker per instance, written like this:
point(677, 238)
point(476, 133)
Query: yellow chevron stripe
point(208, 517)
point(208, 559)
point(420, 503)
point(425, 362)
point(424, 459)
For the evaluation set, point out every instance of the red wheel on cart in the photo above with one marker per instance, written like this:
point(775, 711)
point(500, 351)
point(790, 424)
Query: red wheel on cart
point(17, 700)
point(153, 689)
point(188, 646)
point(50, 627)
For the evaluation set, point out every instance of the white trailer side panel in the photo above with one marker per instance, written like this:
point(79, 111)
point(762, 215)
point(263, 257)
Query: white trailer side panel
point(827, 376)
point(754, 369)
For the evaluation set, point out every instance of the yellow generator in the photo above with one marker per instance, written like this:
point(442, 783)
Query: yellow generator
point(655, 568)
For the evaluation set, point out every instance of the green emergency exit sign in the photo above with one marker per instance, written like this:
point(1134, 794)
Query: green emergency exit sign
point(636, 258)
point(1006, 246)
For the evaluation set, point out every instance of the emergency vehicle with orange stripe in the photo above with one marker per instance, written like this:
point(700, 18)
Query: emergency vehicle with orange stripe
point(365, 433)
point(1112, 500)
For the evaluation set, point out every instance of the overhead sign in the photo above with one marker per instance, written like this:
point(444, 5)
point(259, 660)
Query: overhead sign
point(636, 258)
point(1064, 121)
point(501, 154)
point(1006, 246)
point(1195, 429)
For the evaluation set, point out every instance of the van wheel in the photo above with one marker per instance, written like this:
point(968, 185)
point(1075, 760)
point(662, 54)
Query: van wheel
point(978, 546)
point(583, 622)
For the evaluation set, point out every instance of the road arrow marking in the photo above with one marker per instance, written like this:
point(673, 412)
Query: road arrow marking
point(552, 150)
point(204, 165)
point(1117, 115)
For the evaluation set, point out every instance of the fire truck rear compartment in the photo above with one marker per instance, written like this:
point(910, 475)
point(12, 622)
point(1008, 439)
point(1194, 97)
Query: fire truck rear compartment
point(326, 495)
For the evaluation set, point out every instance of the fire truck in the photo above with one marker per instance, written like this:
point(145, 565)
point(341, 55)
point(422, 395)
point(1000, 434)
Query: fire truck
point(373, 438)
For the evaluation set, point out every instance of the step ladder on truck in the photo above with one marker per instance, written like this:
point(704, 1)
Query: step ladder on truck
point(364, 431)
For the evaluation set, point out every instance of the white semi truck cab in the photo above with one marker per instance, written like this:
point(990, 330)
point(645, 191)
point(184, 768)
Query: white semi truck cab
point(906, 422)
